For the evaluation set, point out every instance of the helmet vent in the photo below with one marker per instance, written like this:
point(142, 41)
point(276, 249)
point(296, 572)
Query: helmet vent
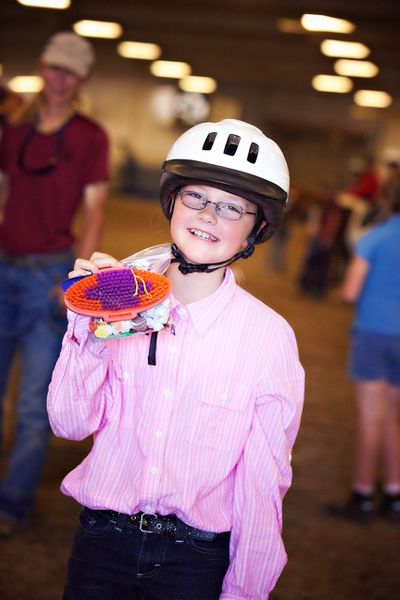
point(232, 144)
point(253, 153)
point(209, 141)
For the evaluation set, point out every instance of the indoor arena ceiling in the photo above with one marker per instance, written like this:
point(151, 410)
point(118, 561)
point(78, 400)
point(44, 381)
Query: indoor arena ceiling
point(238, 43)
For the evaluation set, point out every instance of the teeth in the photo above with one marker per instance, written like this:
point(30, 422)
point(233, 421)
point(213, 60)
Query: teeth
point(203, 235)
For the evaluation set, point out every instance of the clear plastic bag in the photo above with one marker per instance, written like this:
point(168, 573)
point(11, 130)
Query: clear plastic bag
point(155, 259)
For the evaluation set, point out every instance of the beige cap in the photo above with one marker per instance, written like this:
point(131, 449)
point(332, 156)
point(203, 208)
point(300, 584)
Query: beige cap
point(69, 51)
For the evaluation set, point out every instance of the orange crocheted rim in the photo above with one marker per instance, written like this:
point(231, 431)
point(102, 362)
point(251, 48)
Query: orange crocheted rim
point(117, 294)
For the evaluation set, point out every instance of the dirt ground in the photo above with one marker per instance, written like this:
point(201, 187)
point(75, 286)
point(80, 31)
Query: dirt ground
point(328, 559)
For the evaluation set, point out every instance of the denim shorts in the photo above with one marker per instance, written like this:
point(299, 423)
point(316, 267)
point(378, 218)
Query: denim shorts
point(375, 356)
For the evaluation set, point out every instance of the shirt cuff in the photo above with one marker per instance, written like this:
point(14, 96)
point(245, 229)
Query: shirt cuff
point(78, 327)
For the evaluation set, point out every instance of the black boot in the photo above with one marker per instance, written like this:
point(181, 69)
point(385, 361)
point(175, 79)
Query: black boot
point(359, 507)
point(389, 508)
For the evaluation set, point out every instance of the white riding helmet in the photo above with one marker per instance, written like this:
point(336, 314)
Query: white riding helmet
point(234, 156)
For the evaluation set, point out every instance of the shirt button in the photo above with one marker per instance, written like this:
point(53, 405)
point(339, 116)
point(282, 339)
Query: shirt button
point(181, 311)
point(223, 396)
point(173, 350)
point(167, 393)
point(154, 470)
point(148, 508)
point(159, 434)
point(125, 375)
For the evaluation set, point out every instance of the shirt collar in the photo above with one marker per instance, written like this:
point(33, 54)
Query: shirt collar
point(205, 312)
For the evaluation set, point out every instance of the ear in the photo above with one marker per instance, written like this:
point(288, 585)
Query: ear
point(254, 236)
point(263, 224)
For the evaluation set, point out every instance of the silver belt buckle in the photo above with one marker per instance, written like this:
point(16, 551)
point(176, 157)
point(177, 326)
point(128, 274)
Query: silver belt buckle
point(142, 517)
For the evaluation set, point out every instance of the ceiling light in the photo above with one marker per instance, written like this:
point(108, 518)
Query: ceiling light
point(139, 50)
point(324, 23)
point(355, 68)
point(289, 26)
point(373, 98)
point(26, 84)
point(346, 49)
point(332, 83)
point(46, 3)
point(98, 29)
point(170, 68)
point(201, 85)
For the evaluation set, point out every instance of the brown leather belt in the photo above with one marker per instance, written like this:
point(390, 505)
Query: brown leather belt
point(36, 260)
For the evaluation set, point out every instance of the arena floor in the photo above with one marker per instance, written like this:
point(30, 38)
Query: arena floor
point(328, 559)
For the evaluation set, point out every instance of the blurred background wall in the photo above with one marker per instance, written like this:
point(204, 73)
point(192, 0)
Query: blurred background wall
point(261, 58)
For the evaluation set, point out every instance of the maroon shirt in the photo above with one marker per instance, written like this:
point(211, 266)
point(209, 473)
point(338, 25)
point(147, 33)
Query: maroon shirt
point(40, 207)
point(366, 186)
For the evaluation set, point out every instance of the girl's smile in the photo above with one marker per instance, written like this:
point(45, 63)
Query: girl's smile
point(204, 235)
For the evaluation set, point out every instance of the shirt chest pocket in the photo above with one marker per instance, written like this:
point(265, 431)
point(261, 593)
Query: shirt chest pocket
point(221, 421)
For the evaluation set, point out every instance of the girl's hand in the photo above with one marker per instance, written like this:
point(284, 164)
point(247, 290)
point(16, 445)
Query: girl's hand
point(97, 261)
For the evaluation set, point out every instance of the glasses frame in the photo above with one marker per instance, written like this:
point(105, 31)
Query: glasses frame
point(241, 211)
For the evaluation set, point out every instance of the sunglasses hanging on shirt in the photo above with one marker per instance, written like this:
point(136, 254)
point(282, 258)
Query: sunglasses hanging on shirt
point(53, 159)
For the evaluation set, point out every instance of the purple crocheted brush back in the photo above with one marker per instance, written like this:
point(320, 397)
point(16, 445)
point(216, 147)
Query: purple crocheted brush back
point(117, 290)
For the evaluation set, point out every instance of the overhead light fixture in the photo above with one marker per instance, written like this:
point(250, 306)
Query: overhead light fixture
point(332, 83)
point(61, 4)
point(98, 29)
point(355, 68)
point(289, 26)
point(170, 68)
point(26, 84)
point(373, 98)
point(200, 85)
point(139, 50)
point(324, 23)
point(344, 49)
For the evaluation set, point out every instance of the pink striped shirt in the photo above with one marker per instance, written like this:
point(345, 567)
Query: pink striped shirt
point(206, 433)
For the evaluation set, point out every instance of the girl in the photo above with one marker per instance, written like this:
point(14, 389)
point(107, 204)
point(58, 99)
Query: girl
point(182, 490)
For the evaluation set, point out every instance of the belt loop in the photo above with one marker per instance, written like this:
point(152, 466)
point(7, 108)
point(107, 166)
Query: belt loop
point(179, 532)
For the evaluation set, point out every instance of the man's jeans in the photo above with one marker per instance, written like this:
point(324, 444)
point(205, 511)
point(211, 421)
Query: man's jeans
point(32, 323)
point(111, 558)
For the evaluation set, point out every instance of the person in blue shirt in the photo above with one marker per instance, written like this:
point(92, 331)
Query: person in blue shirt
point(372, 281)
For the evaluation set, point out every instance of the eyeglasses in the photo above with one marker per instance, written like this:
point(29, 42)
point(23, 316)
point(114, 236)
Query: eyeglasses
point(232, 211)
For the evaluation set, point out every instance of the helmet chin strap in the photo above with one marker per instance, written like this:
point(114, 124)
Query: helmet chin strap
point(187, 267)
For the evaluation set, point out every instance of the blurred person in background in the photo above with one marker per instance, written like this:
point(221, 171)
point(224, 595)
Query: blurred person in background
point(372, 281)
point(324, 228)
point(357, 201)
point(52, 161)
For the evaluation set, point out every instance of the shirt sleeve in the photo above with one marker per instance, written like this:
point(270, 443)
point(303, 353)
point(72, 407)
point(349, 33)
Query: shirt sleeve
point(367, 244)
point(263, 476)
point(78, 391)
point(366, 186)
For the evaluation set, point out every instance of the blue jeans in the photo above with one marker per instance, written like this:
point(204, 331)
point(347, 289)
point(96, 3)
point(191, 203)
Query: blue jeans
point(32, 323)
point(112, 558)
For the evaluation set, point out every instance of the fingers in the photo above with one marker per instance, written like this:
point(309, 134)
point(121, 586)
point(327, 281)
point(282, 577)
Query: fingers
point(97, 261)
